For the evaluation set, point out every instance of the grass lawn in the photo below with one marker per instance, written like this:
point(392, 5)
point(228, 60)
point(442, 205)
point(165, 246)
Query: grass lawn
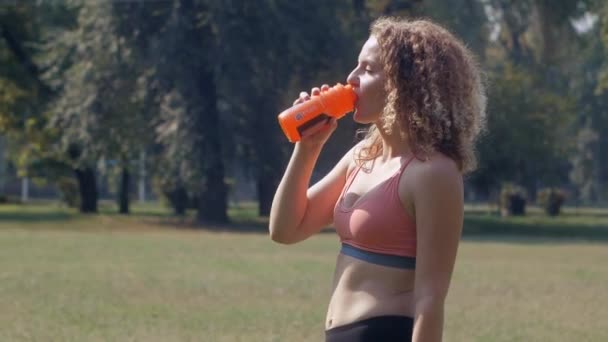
point(68, 277)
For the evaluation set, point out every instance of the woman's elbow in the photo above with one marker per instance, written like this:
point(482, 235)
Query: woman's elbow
point(278, 236)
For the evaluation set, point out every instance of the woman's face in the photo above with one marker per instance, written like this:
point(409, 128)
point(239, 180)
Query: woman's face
point(367, 80)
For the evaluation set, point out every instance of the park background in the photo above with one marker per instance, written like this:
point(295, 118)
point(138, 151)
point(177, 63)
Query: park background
point(140, 150)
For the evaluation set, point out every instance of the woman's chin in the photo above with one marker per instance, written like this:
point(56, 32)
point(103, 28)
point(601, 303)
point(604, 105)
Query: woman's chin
point(360, 118)
point(357, 116)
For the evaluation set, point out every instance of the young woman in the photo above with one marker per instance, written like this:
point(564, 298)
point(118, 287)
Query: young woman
point(396, 198)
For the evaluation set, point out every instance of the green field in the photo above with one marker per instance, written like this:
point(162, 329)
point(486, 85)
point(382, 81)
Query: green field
point(148, 277)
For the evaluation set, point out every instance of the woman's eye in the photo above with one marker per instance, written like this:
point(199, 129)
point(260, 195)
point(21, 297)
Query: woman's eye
point(368, 69)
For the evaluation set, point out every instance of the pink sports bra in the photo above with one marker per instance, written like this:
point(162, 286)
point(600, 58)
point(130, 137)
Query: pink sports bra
point(377, 228)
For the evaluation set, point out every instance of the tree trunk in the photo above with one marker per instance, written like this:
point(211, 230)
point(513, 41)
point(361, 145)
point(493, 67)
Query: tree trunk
point(213, 203)
point(88, 190)
point(2, 167)
point(270, 165)
point(178, 199)
point(25, 189)
point(267, 184)
point(142, 177)
point(549, 41)
point(123, 199)
point(268, 142)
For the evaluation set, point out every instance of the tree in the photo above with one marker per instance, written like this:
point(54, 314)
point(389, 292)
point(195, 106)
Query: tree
point(526, 129)
point(531, 103)
point(24, 92)
point(179, 51)
point(599, 100)
point(286, 52)
point(97, 111)
point(471, 24)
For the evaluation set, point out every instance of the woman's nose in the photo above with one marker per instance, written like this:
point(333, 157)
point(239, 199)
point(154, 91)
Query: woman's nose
point(353, 79)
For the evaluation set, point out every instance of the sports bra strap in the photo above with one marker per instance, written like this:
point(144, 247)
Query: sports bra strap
point(407, 162)
point(350, 179)
point(353, 174)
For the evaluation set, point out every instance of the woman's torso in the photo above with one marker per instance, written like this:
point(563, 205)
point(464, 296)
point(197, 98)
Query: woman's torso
point(363, 289)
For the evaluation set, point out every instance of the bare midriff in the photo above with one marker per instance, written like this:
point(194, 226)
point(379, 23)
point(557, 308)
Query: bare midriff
point(362, 290)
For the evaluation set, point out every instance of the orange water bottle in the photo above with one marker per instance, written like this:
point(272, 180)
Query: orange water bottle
point(335, 102)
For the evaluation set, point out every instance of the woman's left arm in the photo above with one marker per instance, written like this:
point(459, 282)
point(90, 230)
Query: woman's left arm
point(438, 206)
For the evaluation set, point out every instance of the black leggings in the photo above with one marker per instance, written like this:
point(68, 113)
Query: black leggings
point(381, 328)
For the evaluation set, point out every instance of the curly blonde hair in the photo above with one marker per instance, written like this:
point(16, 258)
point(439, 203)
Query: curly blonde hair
point(435, 92)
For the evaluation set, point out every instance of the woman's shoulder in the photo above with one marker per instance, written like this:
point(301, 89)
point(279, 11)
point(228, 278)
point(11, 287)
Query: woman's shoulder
point(426, 180)
point(435, 164)
point(436, 171)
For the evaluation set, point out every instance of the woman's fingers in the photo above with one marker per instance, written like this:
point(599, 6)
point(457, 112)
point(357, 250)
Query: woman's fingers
point(319, 133)
point(316, 91)
point(303, 97)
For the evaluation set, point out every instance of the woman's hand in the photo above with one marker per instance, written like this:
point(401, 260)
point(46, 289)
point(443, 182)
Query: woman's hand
point(318, 134)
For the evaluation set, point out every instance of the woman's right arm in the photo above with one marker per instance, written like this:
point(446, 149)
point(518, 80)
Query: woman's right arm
point(298, 212)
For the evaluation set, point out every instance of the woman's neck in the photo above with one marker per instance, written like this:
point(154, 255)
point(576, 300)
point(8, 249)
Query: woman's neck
point(393, 145)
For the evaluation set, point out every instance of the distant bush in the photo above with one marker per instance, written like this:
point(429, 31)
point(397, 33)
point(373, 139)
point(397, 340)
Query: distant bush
point(4, 199)
point(180, 197)
point(69, 192)
point(551, 200)
point(513, 200)
point(175, 196)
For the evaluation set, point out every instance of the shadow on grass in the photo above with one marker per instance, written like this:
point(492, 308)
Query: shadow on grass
point(149, 209)
point(25, 217)
point(491, 228)
point(575, 224)
point(40, 212)
point(475, 229)
point(479, 226)
point(590, 227)
point(22, 213)
point(135, 212)
point(234, 226)
point(600, 214)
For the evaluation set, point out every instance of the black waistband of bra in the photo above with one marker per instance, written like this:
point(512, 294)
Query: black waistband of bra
point(389, 260)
